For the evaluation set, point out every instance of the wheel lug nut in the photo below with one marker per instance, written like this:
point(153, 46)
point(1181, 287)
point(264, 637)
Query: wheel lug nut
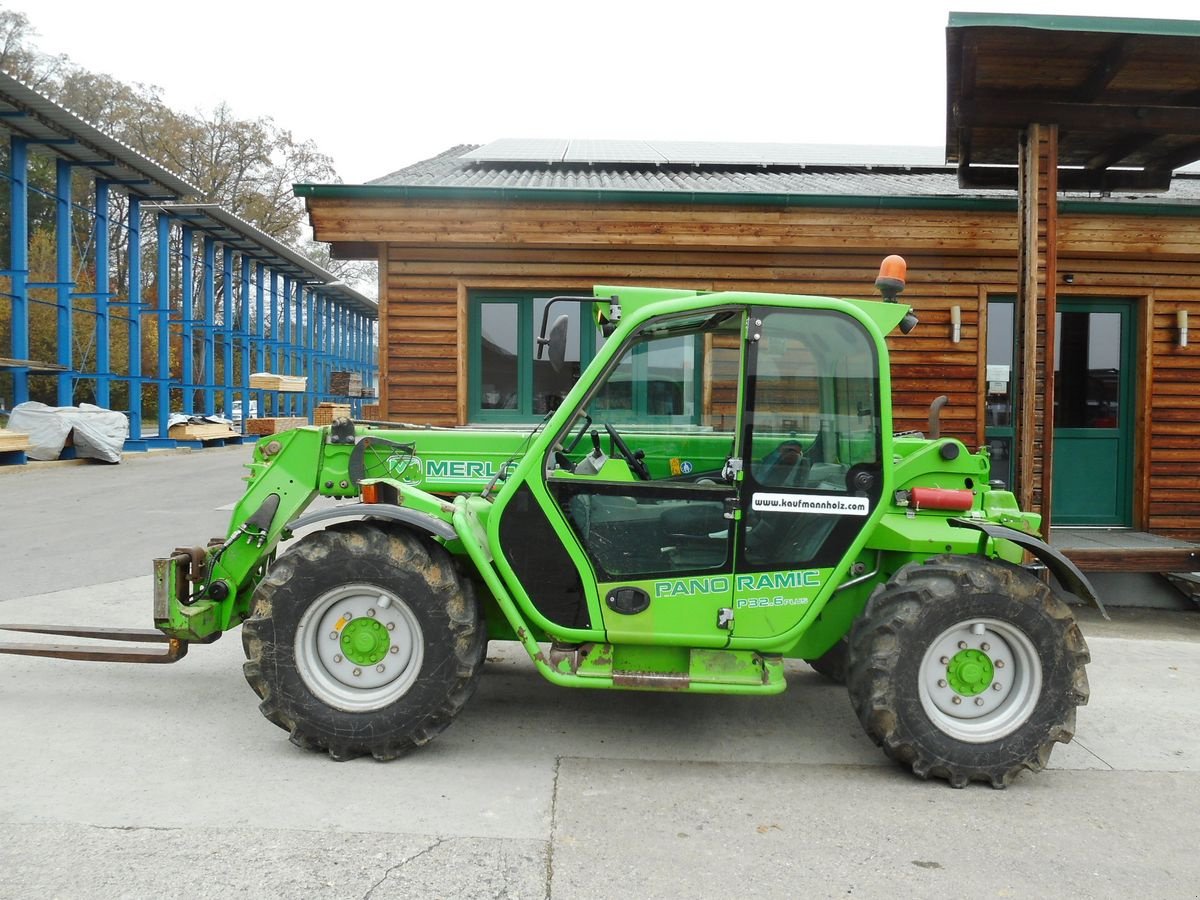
point(999, 664)
point(956, 700)
point(333, 635)
point(357, 672)
point(347, 616)
point(394, 649)
point(945, 660)
point(941, 682)
point(995, 685)
point(337, 658)
point(379, 668)
point(962, 645)
point(391, 626)
point(979, 701)
point(371, 612)
point(985, 646)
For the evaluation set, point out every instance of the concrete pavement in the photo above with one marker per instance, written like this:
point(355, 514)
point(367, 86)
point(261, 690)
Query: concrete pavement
point(145, 781)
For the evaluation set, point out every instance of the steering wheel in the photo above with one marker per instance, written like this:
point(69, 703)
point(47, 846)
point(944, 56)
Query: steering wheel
point(636, 461)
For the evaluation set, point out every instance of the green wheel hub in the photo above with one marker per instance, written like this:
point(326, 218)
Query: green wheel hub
point(969, 672)
point(365, 641)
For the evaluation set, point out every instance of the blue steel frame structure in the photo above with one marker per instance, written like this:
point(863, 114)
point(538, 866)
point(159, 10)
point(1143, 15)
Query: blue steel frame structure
point(262, 306)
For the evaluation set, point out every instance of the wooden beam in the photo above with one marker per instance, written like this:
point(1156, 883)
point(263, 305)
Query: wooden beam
point(1109, 65)
point(1119, 149)
point(1071, 179)
point(1091, 117)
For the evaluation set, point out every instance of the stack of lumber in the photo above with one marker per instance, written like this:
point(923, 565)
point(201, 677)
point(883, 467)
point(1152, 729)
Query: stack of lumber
point(345, 384)
point(273, 425)
point(200, 431)
point(325, 413)
point(13, 440)
point(370, 412)
point(267, 381)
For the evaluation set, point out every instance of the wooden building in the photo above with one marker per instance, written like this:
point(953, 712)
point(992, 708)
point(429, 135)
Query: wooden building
point(467, 242)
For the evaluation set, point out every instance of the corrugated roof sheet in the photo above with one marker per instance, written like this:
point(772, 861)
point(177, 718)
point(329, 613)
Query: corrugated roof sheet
point(26, 113)
point(461, 167)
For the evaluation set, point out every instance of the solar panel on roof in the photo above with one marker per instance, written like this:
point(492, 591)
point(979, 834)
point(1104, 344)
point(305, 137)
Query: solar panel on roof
point(520, 150)
point(710, 153)
point(593, 151)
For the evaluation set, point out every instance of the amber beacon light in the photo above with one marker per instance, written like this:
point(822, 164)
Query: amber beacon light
point(890, 282)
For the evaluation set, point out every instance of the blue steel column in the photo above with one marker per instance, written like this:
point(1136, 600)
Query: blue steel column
point(18, 259)
point(373, 353)
point(310, 352)
point(355, 402)
point(285, 341)
point(133, 246)
point(227, 318)
point(260, 355)
point(64, 282)
point(208, 323)
point(187, 352)
point(319, 345)
point(246, 332)
point(164, 324)
point(100, 236)
point(271, 364)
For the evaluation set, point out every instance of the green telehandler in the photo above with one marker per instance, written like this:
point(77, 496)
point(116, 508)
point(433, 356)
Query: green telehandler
point(718, 490)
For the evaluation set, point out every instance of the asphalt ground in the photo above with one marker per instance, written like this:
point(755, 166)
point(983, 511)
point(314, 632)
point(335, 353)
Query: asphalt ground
point(151, 781)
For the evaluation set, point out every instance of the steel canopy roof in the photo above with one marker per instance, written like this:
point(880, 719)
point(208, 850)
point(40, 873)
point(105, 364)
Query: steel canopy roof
point(238, 234)
point(1125, 94)
point(26, 113)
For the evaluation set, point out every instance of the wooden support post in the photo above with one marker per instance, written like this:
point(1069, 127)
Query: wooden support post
point(1037, 258)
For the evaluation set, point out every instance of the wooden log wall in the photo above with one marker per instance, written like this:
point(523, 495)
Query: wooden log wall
point(433, 253)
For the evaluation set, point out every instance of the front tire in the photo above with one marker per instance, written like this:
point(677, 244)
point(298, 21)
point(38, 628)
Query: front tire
point(363, 641)
point(967, 669)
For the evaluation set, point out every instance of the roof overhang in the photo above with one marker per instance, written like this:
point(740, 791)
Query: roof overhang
point(1124, 93)
point(27, 114)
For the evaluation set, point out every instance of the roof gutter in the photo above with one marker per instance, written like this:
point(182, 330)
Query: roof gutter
point(704, 198)
point(687, 198)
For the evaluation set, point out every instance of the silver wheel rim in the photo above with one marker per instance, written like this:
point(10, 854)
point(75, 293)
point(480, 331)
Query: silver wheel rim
point(334, 677)
point(1007, 700)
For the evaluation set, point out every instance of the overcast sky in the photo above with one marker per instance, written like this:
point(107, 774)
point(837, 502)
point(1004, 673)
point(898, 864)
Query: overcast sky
point(380, 86)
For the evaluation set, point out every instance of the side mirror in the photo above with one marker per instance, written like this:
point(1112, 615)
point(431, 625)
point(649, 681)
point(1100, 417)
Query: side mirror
point(556, 342)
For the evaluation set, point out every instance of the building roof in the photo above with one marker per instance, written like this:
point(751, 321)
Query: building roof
point(28, 114)
point(1125, 94)
point(904, 177)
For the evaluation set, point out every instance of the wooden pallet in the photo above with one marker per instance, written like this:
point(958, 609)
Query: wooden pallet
point(268, 381)
point(269, 425)
point(208, 431)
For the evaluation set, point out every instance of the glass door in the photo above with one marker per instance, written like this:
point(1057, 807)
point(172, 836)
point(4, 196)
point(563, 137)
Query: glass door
point(1093, 413)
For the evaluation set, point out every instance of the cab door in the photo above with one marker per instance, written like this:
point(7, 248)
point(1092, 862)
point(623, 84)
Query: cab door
point(639, 492)
point(811, 438)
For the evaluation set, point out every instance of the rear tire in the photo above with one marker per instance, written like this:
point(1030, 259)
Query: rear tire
point(967, 669)
point(363, 641)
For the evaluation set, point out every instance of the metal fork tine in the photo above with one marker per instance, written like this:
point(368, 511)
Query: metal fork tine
point(174, 650)
point(140, 635)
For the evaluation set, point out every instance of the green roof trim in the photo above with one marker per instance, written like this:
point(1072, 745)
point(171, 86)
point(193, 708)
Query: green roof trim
point(698, 198)
point(1164, 27)
point(686, 198)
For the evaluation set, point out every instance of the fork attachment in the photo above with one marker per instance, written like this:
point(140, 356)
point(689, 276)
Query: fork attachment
point(174, 650)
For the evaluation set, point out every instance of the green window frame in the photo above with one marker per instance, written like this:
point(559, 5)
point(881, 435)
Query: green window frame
point(526, 330)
